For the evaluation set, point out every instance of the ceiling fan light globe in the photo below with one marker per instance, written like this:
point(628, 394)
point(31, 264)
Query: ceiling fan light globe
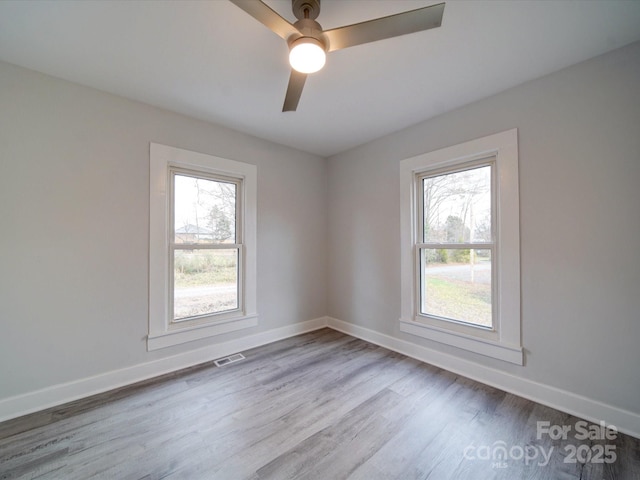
point(307, 55)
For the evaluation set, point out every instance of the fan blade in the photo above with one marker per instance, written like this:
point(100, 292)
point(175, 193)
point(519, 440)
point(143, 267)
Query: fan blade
point(294, 90)
point(385, 27)
point(265, 15)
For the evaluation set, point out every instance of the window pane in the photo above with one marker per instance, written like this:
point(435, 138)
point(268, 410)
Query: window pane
point(205, 282)
point(204, 210)
point(456, 284)
point(457, 206)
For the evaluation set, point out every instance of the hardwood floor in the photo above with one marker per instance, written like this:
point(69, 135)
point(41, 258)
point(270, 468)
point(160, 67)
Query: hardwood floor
point(317, 406)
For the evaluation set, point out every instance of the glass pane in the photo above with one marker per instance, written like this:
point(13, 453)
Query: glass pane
point(456, 284)
point(204, 210)
point(457, 206)
point(205, 282)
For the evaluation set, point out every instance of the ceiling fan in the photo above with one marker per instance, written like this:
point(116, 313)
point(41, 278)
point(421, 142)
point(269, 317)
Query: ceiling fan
point(309, 44)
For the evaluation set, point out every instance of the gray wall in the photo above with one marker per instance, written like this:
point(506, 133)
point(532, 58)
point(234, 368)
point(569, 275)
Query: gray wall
point(74, 219)
point(579, 145)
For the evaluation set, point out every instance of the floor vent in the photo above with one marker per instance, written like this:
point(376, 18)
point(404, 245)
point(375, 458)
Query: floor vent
point(236, 357)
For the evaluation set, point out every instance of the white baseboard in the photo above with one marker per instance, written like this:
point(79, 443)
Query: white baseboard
point(588, 409)
point(582, 407)
point(19, 405)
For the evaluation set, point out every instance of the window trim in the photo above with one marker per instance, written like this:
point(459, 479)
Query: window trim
point(163, 331)
point(505, 344)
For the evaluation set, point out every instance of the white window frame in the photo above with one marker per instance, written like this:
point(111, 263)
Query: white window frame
point(503, 341)
point(163, 330)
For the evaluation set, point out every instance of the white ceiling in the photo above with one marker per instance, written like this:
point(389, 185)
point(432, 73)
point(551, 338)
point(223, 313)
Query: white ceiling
point(210, 60)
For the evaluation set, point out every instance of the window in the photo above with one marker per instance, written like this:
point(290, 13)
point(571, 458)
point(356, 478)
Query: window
point(460, 246)
point(202, 246)
point(206, 247)
point(456, 249)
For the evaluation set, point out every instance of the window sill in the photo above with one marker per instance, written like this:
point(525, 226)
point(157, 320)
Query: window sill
point(489, 348)
point(168, 338)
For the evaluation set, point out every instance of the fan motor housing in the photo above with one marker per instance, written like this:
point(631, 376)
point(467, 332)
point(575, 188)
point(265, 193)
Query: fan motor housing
point(309, 28)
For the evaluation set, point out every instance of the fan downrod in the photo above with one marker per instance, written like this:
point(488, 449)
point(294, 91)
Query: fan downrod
point(306, 9)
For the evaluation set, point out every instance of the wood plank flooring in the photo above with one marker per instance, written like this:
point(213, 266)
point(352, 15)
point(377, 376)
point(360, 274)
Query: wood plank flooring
point(317, 406)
